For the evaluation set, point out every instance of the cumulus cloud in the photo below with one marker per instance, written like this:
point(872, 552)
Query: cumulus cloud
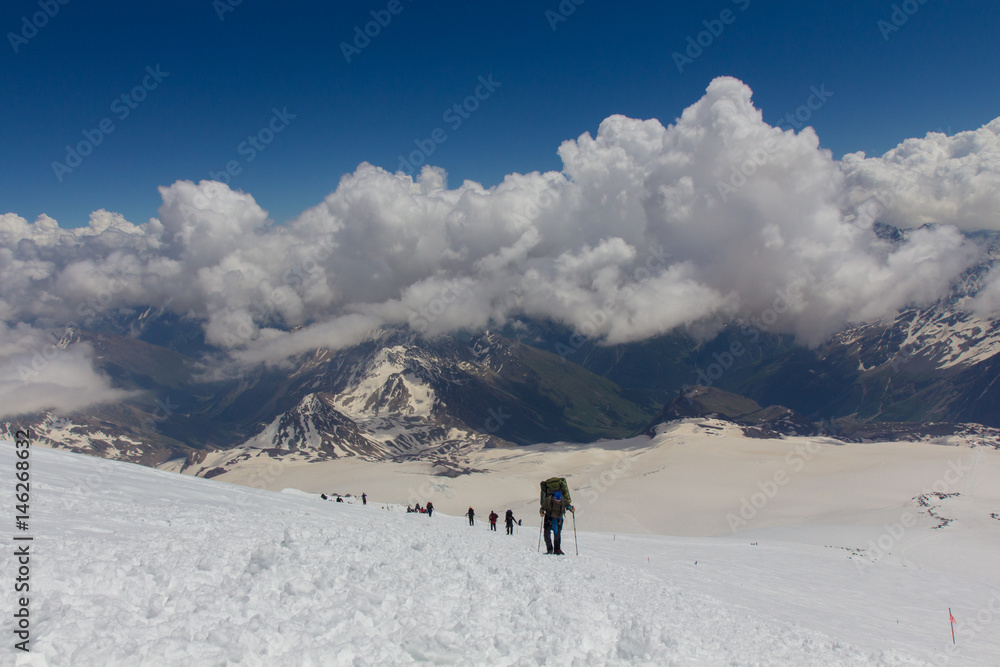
point(40, 372)
point(936, 179)
point(647, 228)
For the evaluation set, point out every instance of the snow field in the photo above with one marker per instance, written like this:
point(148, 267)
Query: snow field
point(144, 567)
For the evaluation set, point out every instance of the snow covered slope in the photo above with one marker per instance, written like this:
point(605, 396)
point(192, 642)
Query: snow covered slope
point(134, 566)
point(696, 477)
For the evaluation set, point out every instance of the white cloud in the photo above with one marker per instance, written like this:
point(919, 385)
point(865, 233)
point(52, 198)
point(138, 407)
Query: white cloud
point(648, 228)
point(39, 372)
point(936, 179)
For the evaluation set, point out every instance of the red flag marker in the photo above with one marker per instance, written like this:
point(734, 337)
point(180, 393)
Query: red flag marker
point(952, 619)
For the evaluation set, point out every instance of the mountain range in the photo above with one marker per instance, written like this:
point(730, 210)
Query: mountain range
point(401, 395)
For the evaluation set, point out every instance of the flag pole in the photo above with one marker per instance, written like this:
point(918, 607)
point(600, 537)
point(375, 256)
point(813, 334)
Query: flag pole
point(952, 619)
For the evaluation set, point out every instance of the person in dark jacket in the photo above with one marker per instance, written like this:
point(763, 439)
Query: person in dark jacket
point(509, 520)
point(472, 516)
point(430, 508)
point(493, 520)
point(553, 510)
point(364, 498)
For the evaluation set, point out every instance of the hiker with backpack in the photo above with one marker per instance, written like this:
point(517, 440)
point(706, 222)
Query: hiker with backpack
point(493, 520)
point(430, 508)
point(509, 520)
point(472, 516)
point(555, 500)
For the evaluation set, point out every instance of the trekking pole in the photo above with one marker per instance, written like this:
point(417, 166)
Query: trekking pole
point(540, 535)
point(575, 543)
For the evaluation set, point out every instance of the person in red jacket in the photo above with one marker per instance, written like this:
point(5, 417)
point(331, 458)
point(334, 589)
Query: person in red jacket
point(493, 520)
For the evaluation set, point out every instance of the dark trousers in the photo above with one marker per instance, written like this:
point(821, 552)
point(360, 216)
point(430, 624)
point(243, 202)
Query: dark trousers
point(472, 522)
point(553, 544)
point(510, 529)
point(493, 525)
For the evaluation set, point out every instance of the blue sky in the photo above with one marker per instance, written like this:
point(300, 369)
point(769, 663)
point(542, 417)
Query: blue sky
point(225, 68)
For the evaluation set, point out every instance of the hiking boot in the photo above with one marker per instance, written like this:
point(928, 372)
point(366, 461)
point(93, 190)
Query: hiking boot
point(559, 552)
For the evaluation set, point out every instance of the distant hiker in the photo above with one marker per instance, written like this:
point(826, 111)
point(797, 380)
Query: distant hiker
point(472, 516)
point(339, 499)
point(323, 496)
point(430, 508)
point(364, 498)
point(509, 520)
point(416, 507)
point(493, 520)
point(555, 501)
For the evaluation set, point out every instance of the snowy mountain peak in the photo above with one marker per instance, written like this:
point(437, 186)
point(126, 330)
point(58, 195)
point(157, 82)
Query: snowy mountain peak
point(942, 337)
point(393, 382)
point(317, 430)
